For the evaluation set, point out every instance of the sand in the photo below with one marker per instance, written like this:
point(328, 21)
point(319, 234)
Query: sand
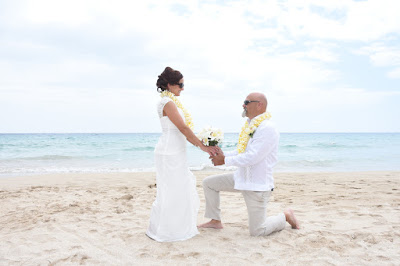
point(346, 219)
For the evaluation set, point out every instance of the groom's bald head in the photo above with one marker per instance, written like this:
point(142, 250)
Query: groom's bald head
point(258, 96)
point(257, 104)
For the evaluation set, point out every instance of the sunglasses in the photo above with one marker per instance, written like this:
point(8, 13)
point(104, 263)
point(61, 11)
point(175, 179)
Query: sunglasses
point(247, 102)
point(181, 85)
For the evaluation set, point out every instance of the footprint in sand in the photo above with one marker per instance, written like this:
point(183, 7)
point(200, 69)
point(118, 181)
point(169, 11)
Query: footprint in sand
point(127, 197)
point(256, 256)
point(144, 255)
point(193, 254)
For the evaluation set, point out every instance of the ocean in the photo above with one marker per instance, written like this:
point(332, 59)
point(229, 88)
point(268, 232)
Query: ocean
point(24, 154)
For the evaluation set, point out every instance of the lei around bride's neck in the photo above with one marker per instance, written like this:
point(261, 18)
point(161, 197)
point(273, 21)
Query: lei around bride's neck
point(168, 93)
point(188, 117)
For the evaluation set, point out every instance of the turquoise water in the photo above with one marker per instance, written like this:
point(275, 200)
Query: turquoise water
point(298, 152)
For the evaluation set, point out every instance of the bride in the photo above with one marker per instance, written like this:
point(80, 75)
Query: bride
point(174, 212)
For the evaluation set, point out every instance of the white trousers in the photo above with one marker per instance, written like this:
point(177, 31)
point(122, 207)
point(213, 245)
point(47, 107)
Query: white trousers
point(256, 201)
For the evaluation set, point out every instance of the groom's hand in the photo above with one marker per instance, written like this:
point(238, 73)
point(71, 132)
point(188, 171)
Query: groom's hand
point(218, 159)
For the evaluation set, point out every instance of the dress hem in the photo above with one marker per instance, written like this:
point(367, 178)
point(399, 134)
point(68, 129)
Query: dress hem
point(172, 240)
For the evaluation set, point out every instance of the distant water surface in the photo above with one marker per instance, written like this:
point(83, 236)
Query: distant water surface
point(298, 152)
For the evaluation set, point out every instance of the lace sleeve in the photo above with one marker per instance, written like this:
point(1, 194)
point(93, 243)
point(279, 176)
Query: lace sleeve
point(161, 104)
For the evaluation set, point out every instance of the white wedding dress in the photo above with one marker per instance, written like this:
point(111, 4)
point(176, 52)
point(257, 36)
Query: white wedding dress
point(174, 212)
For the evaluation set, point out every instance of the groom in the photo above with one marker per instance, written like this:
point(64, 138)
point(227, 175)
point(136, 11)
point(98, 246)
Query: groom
point(255, 158)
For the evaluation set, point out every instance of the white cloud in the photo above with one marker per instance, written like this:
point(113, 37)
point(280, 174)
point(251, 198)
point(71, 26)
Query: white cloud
point(394, 74)
point(68, 13)
point(105, 57)
point(382, 55)
point(362, 20)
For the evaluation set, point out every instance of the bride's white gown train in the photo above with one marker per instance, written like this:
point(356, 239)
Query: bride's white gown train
point(174, 212)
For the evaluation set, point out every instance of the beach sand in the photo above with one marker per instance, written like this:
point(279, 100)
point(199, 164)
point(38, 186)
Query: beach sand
point(346, 219)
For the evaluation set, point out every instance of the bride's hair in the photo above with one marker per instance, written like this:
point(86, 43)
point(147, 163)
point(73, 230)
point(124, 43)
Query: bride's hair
point(170, 76)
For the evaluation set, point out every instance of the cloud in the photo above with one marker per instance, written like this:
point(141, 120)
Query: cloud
point(383, 55)
point(104, 58)
point(341, 20)
point(394, 74)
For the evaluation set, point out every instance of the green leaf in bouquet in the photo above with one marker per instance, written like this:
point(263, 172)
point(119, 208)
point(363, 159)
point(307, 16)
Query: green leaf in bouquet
point(212, 143)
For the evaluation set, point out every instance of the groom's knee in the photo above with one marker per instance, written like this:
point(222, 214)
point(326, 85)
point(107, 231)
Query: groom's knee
point(209, 181)
point(206, 181)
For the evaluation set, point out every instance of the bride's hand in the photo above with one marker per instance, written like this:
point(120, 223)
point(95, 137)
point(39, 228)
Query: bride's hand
point(211, 150)
point(219, 151)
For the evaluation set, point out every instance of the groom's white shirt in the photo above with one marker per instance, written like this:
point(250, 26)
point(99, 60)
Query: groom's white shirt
point(255, 164)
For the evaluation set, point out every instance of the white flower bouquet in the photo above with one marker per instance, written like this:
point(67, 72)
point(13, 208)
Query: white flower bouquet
point(211, 136)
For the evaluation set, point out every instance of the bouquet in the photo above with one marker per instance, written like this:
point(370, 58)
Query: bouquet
point(211, 136)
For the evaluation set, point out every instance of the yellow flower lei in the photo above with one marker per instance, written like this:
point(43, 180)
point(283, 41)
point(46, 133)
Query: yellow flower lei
point(188, 117)
point(248, 131)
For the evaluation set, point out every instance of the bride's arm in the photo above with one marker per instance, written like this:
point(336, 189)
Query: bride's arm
point(171, 111)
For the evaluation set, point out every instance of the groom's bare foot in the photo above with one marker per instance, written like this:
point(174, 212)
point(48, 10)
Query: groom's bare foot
point(215, 224)
point(291, 219)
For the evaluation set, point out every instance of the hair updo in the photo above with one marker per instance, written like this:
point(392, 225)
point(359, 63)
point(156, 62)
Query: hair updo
point(170, 76)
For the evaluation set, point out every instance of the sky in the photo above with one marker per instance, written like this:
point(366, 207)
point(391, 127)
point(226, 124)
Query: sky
point(86, 66)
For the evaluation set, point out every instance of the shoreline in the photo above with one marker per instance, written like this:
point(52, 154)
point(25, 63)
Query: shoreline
point(206, 170)
point(101, 218)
